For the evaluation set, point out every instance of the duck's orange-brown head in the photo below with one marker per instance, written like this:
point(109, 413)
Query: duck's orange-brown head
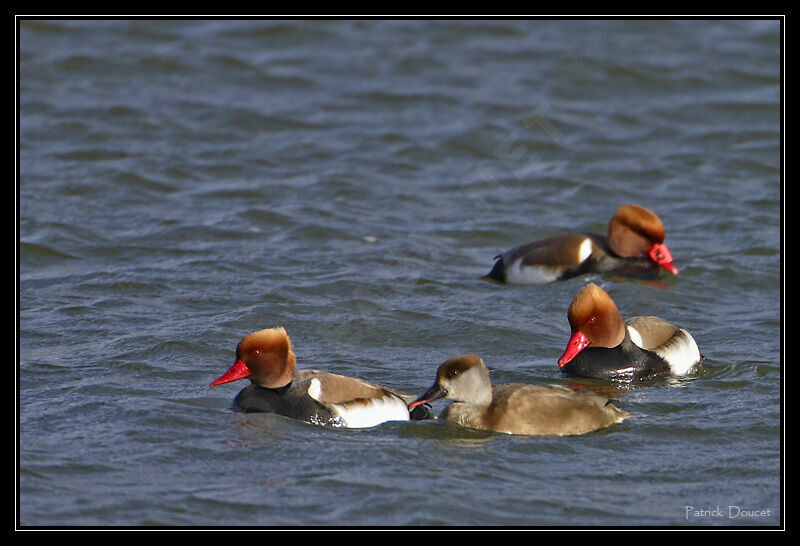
point(634, 230)
point(265, 357)
point(595, 320)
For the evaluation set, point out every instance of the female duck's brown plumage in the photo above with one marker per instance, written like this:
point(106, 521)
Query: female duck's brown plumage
point(634, 244)
point(266, 358)
point(515, 408)
point(603, 345)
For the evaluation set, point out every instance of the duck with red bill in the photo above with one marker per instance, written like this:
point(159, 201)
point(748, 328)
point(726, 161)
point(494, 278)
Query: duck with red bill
point(605, 346)
point(633, 246)
point(267, 359)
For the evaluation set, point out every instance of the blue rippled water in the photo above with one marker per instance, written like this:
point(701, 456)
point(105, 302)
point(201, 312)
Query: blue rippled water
point(182, 183)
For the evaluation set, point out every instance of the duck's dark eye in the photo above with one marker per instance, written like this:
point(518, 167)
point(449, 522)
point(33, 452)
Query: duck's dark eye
point(592, 320)
point(453, 373)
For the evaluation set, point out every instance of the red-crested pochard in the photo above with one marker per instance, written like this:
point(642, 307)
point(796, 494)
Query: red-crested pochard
point(515, 408)
point(602, 345)
point(266, 358)
point(634, 245)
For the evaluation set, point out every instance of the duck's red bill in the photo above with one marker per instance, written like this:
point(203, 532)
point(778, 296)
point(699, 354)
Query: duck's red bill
point(576, 344)
point(236, 372)
point(661, 255)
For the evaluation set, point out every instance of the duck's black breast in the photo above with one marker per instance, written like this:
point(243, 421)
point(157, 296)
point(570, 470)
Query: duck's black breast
point(624, 362)
point(286, 401)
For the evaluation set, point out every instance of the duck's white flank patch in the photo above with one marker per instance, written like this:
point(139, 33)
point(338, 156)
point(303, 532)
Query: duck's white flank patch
point(680, 351)
point(314, 388)
point(585, 250)
point(372, 412)
point(517, 273)
point(363, 413)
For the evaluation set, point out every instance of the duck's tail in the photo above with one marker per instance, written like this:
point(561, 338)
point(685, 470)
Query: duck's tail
point(498, 271)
